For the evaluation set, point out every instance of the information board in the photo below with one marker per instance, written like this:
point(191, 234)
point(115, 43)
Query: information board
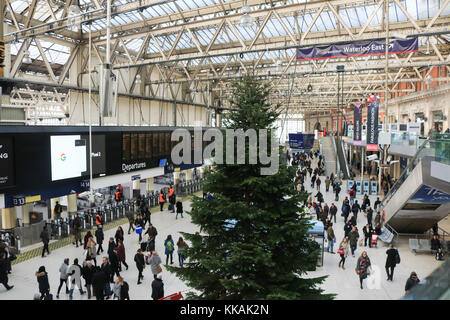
point(366, 187)
point(350, 184)
point(6, 162)
point(358, 187)
point(373, 187)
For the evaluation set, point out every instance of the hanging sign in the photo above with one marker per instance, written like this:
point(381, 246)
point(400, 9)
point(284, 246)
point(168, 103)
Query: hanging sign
point(372, 124)
point(357, 127)
point(357, 49)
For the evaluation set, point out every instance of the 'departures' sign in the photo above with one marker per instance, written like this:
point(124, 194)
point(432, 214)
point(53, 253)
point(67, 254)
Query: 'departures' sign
point(357, 49)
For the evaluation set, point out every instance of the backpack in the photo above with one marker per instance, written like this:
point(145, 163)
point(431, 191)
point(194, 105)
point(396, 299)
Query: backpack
point(397, 257)
point(169, 246)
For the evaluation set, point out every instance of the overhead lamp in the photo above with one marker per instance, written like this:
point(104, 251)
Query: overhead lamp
point(428, 80)
point(246, 20)
point(26, 57)
point(138, 79)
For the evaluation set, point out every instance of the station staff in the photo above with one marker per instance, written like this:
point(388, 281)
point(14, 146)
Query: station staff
point(162, 200)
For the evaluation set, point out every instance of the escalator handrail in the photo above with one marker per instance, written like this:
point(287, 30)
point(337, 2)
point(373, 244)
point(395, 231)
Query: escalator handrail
point(345, 161)
point(338, 167)
point(400, 181)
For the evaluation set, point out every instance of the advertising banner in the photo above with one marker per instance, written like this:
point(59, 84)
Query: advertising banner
point(357, 49)
point(372, 124)
point(6, 162)
point(357, 126)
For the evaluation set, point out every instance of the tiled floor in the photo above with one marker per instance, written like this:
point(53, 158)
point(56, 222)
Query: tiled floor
point(344, 283)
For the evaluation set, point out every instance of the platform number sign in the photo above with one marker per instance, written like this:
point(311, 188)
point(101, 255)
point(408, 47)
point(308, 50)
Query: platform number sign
point(6, 163)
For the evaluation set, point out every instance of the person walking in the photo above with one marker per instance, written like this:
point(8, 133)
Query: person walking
point(139, 222)
point(57, 210)
point(88, 272)
point(114, 261)
point(106, 269)
point(368, 231)
point(121, 255)
point(63, 276)
point(45, 240)
point(331, 238)
point(152, 233)
point(99, 281)
point(369, 215)
point(140, 264)
point(130, 216)
point(154, 263)
point(119, 235)
point(4, 271)
point(124, 289)
point(362, 266)
point(86, 239)
point(377, 203)
point(169, 248)
point(100, 236)
point(116, 289)
point(179, 206)
point(77, 229)
point(158, 287)
point(91, 251)
point(355, 209)
point(182, 246)
point(412, 281)
point(42, 278)
point(75, 278)
point(327, 184)
point(343, 252)
point(392, 259)
point(353, 237)
point(318, 182)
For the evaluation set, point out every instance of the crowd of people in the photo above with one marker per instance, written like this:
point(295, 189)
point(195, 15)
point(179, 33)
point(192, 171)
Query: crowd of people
point(312, 165)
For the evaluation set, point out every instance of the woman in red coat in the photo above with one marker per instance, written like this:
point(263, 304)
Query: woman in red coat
point(121, 254)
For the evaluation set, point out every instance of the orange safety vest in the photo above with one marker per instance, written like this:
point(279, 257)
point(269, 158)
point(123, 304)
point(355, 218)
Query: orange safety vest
point(170, 192)
point(98, 220)
point(161, 198)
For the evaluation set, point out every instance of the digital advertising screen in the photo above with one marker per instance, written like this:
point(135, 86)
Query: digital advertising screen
point(98, 154)
point(68, 156)
point(6, 162)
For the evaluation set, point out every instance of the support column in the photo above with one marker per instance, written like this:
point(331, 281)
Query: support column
point(71, 204)
point(150, 185)
point(176, 177)
point(189, 174)
point(9, 216)
point(136, 188)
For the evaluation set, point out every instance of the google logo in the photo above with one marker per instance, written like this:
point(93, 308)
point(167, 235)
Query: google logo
point(63, 157)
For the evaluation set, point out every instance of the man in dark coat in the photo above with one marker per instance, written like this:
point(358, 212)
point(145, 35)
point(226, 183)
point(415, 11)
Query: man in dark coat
point(106, 269)
point(99, 281)
point(369, 215)
point(158, 287)
point(411, 282)
point(45, 240)
point(100, 237)
point(114, 261)
point(4, 271)
point(356, 208)
point(87, 272)
point(333, 211)
point(391, 262)
point(140, 264)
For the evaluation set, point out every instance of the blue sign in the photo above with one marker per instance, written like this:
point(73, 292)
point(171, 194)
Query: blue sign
point(358, 187)
point(136, 177)
point(366, 187)
point(357, 49)
point(373, 187)
point(350, 184)
point(427, 194)
point(162, 162)
point(301, 141)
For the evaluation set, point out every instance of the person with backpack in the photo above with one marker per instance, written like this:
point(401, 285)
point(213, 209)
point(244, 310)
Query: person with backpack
point(139, 222)
point(337, 190)
point(355, 209)
point(392, 259)
point(140, 264)
point(44, 285)
point(57, 211)
point(75, 278)
point(169, 248)
point(63, 276)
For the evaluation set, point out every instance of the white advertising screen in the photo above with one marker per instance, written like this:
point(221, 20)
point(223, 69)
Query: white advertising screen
point(68, 156)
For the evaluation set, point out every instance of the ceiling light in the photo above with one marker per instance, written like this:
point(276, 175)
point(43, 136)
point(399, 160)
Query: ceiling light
point(246, 20)
point(246, 9)
point(26, 57)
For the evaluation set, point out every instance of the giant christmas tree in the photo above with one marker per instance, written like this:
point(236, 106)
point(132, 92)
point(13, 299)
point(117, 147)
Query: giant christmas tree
point(253, 242)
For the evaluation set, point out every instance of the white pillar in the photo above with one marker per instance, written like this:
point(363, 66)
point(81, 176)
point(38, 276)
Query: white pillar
point(71, 204)
point(9, 216)
point(176, 177)
point(189, 174)
point(150, 185)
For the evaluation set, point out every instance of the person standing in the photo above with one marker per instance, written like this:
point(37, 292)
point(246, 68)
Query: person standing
point(362, 265)
point(179, 206)
point(391, 261)
point(169, 248)
point(182, 246)
point(42, 278)
point(331, 238)
point(124, 289)
point(75, 278)
point(343, 252)
point(121, 255)
point(369, 215)
point(106, 269)
point(152, 233)
point(4, 271)
point(155, 262)
point(139, 222)
point(57, 211)
point(45, 240)
point(355, 209)
point(333, 211)
point(158, 287)
point(140, 264)
point(130, 216)
point(99, 281)
point(318, 182)
point(86, 239)
point(116, 289)
point(162, 200)
point(327, 184)
point(91, 252)
point(353, 237)
point(377, 203)
point(119, 235)
point(114, 261)
point(88, 273)
point(368, 231)
point(63, 276)
point(411, 282)
point(100, 237)
point(77, 229)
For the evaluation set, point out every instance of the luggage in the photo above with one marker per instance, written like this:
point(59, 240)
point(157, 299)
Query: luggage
point(48, 296)
point(138, 229)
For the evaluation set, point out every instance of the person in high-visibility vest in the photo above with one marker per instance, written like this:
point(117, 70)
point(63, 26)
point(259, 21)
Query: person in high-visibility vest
point(98, 219)
point(171, 191)
point(172, 199)
point(162, 200)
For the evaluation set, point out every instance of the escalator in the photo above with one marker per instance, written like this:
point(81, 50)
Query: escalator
point(343, 165)
point(421, 196)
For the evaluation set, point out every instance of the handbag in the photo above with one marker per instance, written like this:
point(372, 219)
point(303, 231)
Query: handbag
point(159, 269)
point(340, 251)
point(360, 243)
